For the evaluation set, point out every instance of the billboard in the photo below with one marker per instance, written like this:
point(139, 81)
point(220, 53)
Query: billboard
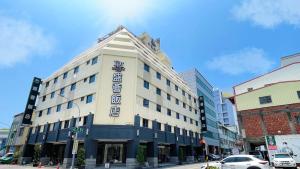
point(284, 144)
point(202, 114)
point(30, 106)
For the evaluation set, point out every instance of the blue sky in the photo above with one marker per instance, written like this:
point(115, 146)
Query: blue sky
point(227, 41)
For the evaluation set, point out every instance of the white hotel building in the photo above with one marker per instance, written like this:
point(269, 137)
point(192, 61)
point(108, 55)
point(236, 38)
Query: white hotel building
point(126, 94)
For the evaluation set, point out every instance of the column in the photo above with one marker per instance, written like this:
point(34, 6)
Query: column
point(27, 150)
point(175, 147)
point(44, 159)
point(69, 146)
point(90, 145)
point(152, 153)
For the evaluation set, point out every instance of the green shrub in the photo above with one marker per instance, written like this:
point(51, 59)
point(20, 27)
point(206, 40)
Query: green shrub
point(81, 157)
point(140, 157)
point(37, 153)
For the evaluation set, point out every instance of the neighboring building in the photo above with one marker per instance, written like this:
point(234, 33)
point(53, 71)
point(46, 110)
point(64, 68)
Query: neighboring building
point(203, 88)
point(3, 138)
point(17, 134)
point(228, 139)
point(269, 105)
point(126, 94)
point(290, 59)
point(226, 110)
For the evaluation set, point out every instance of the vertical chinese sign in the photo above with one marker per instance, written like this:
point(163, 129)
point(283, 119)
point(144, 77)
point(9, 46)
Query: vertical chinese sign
point(118, 67)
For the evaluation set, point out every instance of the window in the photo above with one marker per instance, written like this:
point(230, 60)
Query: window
point(145, 123)
point(146, 67)
point(169, 112)
point(158, 91)
point(190, 108)
point(167, 128)
point(85, 118)
point(183, 92)
point(196, 111)
point(89, 99)
point(73, 87)
point(191, 121)
point(184, 118)
point(158, 126)
point(194, 100)
point(168, 96)
point(158, 108)
point(158, 75)
point(44, 98)
point(88, 62)
point(70, 104)
point(52, 95)
point(177, 101)
point(297, 119)
point(82, 99)
point(62, 91)
point(47, 84)
point(168, 82)
point(92, 78)
point(242, 159)
point(265, 99)
point(84, 80)
point(55, 80)
point(58, 108)
point(298, 93)
point(49, 110)
point(21, 131)
point(146, 103)
point(190, 97)
point(146, 84)
point(197, 123)
point(76, 70)
point(176, 87)
point(65, 75)
point(66, 125)
point(40, 113)
point(94, 60)
point(177, 116)
point(183, 105)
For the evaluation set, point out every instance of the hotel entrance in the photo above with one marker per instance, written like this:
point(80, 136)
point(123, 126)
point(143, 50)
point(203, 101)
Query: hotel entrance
point(163, 153)
point(113, 153)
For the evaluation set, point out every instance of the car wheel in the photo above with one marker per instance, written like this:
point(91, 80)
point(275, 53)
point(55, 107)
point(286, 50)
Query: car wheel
point(253, 168)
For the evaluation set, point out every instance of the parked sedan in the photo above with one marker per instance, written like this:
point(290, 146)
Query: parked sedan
point(240, 162)
point(7, 158)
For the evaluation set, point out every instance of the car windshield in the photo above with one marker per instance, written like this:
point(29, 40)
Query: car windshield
point(282, 156)
point(8, 155)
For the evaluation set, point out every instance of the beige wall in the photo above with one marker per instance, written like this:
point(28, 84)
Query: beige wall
point(288, 73)
point(281, 94)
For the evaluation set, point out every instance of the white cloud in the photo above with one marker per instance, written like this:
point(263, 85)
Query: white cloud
point(269, 13)
point(20, 41)
point(125, 12)
point(248, 60)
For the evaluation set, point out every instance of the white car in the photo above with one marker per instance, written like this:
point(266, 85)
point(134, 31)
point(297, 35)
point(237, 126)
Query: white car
point(240, 162)
point(284, 160)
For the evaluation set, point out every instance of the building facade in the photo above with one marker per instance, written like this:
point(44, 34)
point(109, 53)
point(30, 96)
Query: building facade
point(226, 112)
point(269, 105)
point(202, 87)
point(17, 136)
point(123, 94)
point(3, 139)
point(228, 139)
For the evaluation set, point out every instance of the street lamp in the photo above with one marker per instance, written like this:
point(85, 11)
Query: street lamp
point(76, 125)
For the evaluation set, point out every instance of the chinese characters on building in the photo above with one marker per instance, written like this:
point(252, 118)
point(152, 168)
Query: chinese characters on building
point(116, 88)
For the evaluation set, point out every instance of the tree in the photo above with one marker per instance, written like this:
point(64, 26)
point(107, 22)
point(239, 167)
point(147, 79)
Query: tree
point(36, 154)
point(16, 156)
point(81, 157)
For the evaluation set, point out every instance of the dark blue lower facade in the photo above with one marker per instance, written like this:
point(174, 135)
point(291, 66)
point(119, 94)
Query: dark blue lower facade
point(114, 144)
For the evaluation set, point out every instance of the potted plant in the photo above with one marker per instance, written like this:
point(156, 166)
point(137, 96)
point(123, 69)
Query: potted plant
point(36, 155)
point(140, 156)
point(81, 158)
